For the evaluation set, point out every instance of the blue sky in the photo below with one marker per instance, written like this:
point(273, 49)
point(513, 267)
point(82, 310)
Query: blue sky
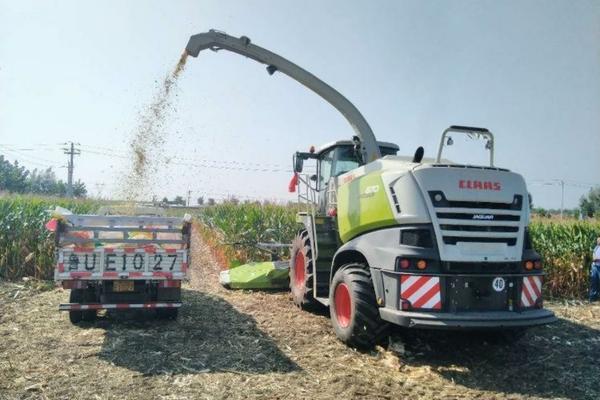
point(83, 71)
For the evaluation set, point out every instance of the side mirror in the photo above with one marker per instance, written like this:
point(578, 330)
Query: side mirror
point(298, 164)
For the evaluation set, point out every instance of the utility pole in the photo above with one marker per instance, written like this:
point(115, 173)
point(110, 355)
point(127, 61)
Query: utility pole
point(562, 197)
point(71, 151)
point(189, 197)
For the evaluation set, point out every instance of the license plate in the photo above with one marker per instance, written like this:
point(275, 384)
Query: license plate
point(81, 261)
point(138, 262)
point(123, 286)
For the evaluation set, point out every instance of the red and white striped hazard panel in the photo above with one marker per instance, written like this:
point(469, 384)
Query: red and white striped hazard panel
point(421, 291)
point(531, 291)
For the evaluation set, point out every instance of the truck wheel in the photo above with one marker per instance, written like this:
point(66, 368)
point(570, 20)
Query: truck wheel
point(168, 295)
point(353, 308)
point(89, 296)
point(76, 296)
point(301, 270)
point(167, 313)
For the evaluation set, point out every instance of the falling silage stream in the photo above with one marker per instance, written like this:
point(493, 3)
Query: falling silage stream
point(148, 138)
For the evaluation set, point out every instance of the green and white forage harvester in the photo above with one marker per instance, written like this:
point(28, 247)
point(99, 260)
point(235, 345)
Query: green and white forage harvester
point(410, 241)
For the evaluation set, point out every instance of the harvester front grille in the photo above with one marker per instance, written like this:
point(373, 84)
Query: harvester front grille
point(477, 222)
point(479, 215)
point(476, 228)
point(455, 239)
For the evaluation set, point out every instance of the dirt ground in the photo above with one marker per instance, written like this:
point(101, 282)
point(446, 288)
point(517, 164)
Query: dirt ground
point(242, 344)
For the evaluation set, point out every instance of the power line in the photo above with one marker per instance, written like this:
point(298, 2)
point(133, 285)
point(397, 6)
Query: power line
point(222, 165)
point(562, 183)
point(124, 154)
point(28, 159)
point(180, 160)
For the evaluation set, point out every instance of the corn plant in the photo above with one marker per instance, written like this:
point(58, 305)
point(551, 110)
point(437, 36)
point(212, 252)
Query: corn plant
point(26, 247)
point(240, 226)
point(566, 248)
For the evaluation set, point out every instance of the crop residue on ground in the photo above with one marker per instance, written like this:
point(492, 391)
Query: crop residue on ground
point(251, 344)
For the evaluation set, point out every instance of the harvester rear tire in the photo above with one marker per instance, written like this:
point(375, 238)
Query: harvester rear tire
point(353, 307)
point(301, 270)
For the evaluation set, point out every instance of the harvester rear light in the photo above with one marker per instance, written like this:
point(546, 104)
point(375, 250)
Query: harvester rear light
point(421, 264)
point(404, 263)
point(537, 264)
point(528, 265)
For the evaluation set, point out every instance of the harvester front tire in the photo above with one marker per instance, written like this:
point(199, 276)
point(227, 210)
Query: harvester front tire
point(301, 270)
point(353, 308)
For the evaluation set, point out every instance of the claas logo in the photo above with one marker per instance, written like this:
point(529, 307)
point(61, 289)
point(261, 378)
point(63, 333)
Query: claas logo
point(479, 185)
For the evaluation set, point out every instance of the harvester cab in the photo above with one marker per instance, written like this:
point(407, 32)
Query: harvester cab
point(332, 160)
point(385, 239)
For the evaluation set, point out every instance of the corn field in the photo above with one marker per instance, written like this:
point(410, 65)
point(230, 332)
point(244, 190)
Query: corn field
point(26, 247)
point(566, 248)
point(236, 229)
point(233, 230)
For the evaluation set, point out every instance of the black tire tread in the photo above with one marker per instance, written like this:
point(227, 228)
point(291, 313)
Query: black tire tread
point(366, 314)
point(307, 299)
point(89, 296)
point(167, 313)
point(76, 296)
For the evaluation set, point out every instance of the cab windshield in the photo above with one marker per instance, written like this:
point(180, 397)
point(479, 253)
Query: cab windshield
point(345, 161)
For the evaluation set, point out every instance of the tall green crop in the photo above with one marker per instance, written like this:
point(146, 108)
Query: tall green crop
point(26, 247)
point(566, 248)
point(241, 226)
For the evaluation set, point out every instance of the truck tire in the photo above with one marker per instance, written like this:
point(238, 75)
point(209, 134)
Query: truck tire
point(353, 307)
point(168, 295)
point(167, 313)
point(76, 296)
point(82, 296)
point(301, 270)
point(89, 296)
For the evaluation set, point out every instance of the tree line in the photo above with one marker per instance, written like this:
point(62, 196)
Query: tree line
point(589, 207)
point(15, 178)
